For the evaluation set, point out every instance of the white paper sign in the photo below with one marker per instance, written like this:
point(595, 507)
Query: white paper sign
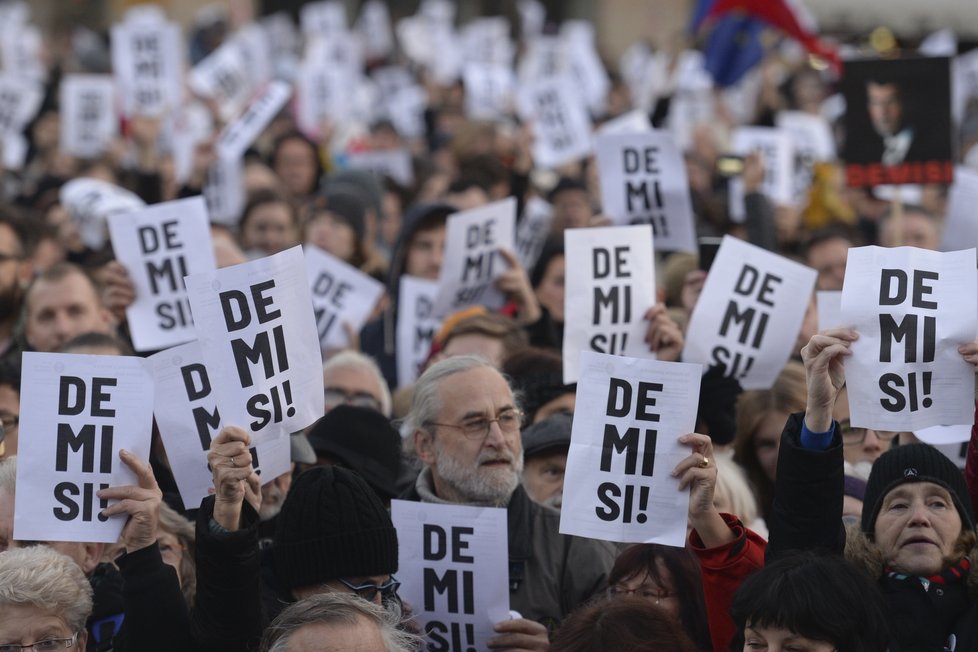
point(186, 414)
point(374, 27)
point(236, 137)
point(90, 201)
point(643, 181)
point(636, 121)
point(395, 163)
point(256, 326)
point(912, 309)
point(224, 191)
point(88, 116)
point(322, 93)
point(80, 411)
point(489, 90)
point(159, 245)
point(454, 570)
point(961, 227)
point(829, 306)
point(341, 295)
point(942, 435)
point(148, 66)
point(532, 231)
point(610, 285)
point(416, 326)
point(778, 156)
point(472, 260)
point(749, 313)
point(624, 445)
point(323, 19)
point(22, 50)
point(812, 141)
point(231, 73)
point(20, 99)
point(585, 63)
point(561, 125)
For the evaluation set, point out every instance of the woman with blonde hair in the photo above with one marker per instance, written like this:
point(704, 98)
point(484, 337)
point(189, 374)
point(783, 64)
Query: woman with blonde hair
point(761, 415)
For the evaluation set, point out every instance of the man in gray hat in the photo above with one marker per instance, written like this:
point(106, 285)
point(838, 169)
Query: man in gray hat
point(545, 446)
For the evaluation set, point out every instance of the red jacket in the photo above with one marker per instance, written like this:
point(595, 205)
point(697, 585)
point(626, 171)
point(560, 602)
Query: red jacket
point(723, 569)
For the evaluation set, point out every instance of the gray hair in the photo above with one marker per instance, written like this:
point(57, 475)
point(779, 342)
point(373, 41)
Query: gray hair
point(425, 403)
point(8, 473)
point(348, 359)
point(337, 609)
point(45, 578)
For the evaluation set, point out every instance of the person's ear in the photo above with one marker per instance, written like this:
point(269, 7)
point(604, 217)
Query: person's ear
point(424, 446)
point(91, 556)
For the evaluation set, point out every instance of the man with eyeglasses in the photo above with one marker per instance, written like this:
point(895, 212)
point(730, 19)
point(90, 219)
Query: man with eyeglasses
point(333, 535)
point(352, 378)
point(465, 422)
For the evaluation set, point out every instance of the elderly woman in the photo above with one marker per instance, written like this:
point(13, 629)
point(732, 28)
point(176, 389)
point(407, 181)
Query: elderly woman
point(917, 533)
point(45, 600)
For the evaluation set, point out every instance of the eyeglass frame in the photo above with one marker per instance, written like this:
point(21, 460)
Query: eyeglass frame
point(473, 435)
point(387, 590)
point(660, 592)
point(882, 435)
point(30, 647)
point(350, 398)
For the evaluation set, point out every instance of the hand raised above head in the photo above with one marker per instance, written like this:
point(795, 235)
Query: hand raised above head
point(825, 372)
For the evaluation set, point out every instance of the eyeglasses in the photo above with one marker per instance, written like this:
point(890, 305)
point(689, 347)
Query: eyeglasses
point(478, 427)
point(387, 591)
point(855, 436)
point(335, 396)
point(46, 645)
point(4, 257)
point(9, 421)
point(649, 592)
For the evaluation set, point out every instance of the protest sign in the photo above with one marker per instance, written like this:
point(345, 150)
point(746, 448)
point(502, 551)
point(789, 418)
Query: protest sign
point(231, 73)
point(912, 309)
point(643, 181)
point(322, 94)
point(238, 136)
point(942, 435)
point(897, 121)
point(20, 99)
point(489, 89)
point(80, 411)
point(486, 40)
point(416, 326)
point(224, 191)
point(829, 307)
point(90, 201)
point(184, 129)
point(342, 296)
point(148, 65)
point(777, 154)
point(960, 227)
point(394, 163)
point(632, 122)
point(256, 326)
point(584, 63)
point(749, 313)
point(322, 19)
point(159, 245)
point(812, 142)
point(561, 125)
point(472, 259)
point(22, 50)
point(454, 571)
point(374, 27)
point(88, 117)
point(532, 231)
point(610, 285)
point(624, 444)
point(186, 414)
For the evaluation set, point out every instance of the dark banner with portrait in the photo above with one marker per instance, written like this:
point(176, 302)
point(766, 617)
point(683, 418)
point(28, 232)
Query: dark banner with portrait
point(898, 121)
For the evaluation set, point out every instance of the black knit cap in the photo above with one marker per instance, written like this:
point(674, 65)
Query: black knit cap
point(332, 526)
point(914, 463)
point(363, 440)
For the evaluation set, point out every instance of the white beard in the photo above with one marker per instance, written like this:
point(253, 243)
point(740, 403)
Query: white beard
point(481, 484)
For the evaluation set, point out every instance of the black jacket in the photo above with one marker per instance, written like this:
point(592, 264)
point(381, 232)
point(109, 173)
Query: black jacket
point(807, 515)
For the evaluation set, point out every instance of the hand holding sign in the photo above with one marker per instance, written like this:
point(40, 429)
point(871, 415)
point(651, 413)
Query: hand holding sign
point(515, 284)
point(234, 479)
point(698, 473)
point(825, 373)
point(519, 634)
point(141, 502)
point(664, 336)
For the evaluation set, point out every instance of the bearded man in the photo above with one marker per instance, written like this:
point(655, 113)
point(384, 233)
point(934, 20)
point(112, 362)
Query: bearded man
point(465, 423)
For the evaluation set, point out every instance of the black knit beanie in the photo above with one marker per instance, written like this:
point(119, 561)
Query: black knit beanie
point(332, 526)
point(914, 463)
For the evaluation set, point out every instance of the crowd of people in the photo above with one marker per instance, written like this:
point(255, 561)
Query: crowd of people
point(805, 533)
